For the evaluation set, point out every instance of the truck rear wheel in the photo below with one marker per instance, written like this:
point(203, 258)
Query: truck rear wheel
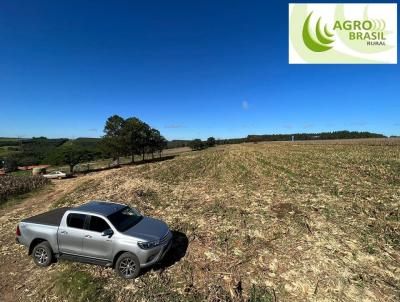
point(127, 266)
point(42, 254)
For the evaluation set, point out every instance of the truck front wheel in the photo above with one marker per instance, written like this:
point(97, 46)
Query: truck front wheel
point(42, 254)
point(128, 266)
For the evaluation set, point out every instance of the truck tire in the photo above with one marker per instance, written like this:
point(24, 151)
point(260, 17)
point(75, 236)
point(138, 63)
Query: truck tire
point(128, 266)
point(42, 254)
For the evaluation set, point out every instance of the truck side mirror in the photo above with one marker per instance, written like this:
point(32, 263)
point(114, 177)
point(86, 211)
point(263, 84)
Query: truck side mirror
point(108, 232)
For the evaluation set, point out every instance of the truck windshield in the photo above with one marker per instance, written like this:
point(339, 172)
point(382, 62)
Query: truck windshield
point(125, 219)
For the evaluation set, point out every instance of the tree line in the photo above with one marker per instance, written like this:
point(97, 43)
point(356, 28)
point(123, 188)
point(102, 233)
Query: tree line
point(122, 137)
point(301, 136)
point(198, 144)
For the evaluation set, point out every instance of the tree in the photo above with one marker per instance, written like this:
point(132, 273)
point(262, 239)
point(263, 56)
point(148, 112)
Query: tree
point(10, 165)
point(144, 138)
point(136, 136)
point(211, 142)
point(153, 138)
point(27, 159)
point(156, 142)
point(197, 144)
point(161, 144)
point(113, 142)
point(69, 155)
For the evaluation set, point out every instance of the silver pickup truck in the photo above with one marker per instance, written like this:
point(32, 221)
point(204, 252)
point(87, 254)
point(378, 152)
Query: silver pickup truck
point(97, 232)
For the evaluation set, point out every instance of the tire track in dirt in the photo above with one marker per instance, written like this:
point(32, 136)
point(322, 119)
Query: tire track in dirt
point(14, 261)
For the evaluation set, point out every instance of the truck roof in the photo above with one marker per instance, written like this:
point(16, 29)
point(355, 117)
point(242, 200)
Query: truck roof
point(100, 207)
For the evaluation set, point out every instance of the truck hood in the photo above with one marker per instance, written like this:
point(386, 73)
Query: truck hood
point(148, 229)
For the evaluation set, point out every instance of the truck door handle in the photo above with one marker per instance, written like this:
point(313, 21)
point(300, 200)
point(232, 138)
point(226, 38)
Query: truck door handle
point(88, 236)
point(64, 232)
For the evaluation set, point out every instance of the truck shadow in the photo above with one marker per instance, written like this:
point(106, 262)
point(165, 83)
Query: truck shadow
point(177, 251)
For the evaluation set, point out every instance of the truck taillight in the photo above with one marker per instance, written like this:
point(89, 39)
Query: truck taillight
point(18, 232)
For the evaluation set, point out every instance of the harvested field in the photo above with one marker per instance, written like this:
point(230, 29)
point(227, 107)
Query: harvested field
point(252, 222)
point(15, 185)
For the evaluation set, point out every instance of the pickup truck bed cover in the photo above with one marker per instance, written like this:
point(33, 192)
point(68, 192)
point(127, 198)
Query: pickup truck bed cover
point(52, 217)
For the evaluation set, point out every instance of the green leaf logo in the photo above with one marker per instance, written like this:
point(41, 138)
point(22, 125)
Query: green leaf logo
point(323, 37)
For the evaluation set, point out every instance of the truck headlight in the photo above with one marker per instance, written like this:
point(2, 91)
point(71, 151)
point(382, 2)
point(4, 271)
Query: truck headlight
point(148, 245)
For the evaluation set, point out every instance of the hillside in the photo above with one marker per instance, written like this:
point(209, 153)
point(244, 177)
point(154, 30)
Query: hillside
point(265, 222)
point(34, 150)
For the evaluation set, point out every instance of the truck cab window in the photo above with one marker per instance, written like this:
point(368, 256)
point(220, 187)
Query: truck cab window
point(98, 224)
point(76, 220)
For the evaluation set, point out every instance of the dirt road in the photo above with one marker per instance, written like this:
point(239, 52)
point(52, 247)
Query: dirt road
point(16, 267)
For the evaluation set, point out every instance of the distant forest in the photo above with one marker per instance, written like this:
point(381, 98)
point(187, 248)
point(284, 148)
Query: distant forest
point(122, 137)
point(37, 150)
point(304, 136)
point(284, 137)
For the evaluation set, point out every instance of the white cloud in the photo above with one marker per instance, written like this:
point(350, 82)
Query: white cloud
point(174, 126)
point(245, 105)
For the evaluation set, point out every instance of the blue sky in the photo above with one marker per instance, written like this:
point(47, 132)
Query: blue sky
point(189, 68)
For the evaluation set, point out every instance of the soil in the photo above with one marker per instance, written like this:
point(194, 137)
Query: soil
point(14, 268)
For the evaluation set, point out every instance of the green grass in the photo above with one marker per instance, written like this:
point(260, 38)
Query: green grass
point(260, 294)
point(21, 172)
point(8, 139)
point(7, 151)
point(75, 285)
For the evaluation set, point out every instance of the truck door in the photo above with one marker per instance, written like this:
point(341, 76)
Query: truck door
point(70, 236)
point(95, 245)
